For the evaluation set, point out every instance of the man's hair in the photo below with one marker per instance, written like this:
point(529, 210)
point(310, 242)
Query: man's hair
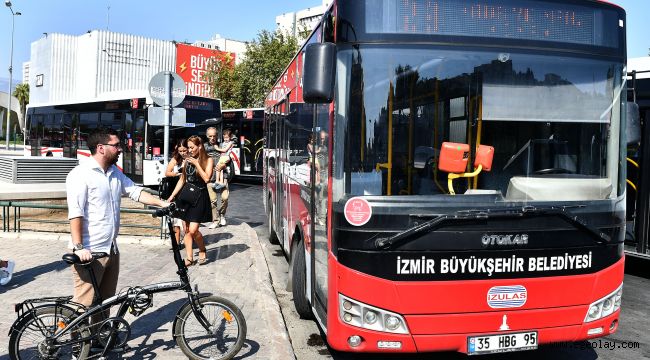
point(211, 128)
point(101, 135)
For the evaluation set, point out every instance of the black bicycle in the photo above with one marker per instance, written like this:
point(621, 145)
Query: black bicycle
point(205, 327)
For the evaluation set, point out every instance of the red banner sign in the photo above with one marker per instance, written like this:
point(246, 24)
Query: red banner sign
point(192, 62)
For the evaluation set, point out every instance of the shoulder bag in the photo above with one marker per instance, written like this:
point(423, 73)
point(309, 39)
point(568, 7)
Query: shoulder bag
point(189, 194)
point(167, 186)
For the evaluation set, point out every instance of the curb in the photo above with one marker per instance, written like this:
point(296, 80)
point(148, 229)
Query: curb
point(279, 336)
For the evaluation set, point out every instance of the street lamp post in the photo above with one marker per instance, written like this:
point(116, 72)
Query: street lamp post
point(11, 64)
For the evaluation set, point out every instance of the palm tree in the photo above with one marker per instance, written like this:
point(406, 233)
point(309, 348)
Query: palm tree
point(21, 92)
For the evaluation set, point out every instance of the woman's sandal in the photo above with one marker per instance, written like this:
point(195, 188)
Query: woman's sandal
point(202, 260)
point(189, 262)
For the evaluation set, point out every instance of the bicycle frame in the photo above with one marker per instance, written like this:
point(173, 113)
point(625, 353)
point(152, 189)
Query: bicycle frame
point(124, 298)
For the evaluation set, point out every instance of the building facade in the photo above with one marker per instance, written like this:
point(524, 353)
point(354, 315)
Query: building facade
point(293, 23)
point(103, 66)
point(222, 44)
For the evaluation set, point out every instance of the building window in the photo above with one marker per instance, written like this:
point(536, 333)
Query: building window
point(39, 80)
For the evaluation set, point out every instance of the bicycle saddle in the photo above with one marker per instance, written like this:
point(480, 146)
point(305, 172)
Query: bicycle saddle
point(73, 258)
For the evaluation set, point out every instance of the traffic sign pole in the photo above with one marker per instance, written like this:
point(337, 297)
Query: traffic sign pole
point(167, 115)
point(167, 89)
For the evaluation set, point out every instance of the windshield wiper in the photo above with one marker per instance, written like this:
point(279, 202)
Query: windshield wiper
point(483, 214)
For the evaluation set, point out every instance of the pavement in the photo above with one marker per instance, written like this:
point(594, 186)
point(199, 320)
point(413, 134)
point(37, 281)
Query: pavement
point(236, 270)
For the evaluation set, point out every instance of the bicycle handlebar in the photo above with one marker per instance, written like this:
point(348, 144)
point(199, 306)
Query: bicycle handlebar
point(165, 211)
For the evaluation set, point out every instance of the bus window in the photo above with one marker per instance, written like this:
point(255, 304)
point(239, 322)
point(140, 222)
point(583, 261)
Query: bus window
point(111, 120)
point(87, 123)
point(52, 131)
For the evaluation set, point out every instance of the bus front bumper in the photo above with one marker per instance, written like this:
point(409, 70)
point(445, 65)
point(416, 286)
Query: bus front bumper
point(373, 341)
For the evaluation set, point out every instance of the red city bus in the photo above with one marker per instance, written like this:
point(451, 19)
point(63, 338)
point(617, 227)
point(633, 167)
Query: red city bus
point(450, 175)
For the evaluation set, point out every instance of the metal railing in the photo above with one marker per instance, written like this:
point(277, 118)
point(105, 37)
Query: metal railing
point(18, 219)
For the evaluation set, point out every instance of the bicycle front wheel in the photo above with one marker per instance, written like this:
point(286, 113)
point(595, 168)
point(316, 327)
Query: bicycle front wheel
point(226, 334)
point(28, 335)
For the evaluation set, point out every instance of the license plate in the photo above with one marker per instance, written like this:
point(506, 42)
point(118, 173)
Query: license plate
point(486, 344)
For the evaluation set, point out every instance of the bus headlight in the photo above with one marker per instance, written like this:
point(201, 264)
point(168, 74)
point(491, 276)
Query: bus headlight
point(605, 306)
point(392, 323)
point(369, 317)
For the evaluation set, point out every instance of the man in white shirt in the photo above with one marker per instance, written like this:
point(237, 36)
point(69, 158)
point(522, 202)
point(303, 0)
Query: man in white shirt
point(94, 190)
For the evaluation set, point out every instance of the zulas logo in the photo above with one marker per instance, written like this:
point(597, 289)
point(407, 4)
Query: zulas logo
point(504, 240)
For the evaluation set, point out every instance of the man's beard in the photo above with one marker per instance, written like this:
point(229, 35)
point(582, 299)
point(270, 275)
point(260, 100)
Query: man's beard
point(113, 161)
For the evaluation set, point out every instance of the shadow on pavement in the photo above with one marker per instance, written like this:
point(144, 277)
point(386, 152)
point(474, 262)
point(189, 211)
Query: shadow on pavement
point(225, 251)
point(150, 323)
point(637, 266)
point(147, 324)
point(249, 349)
point(27, 275)
point(215, 238)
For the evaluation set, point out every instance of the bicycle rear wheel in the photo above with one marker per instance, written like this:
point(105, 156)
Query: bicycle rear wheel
point(27, 340)
point(225, 338)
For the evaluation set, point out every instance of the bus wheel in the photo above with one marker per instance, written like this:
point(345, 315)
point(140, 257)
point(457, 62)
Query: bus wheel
point(299, 281)
point(273, 237)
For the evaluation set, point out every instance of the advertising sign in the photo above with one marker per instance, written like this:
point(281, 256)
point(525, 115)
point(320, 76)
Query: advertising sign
point(192, 63)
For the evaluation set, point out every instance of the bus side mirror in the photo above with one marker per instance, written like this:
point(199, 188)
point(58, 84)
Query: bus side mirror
point(319, 73)
point(633, 125)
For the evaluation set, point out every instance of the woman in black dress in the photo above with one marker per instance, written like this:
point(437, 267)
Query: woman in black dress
point(197, 171)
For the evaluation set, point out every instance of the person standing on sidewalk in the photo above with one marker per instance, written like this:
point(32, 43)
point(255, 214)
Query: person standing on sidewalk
point(6, 271)
point(195, 210)
point(175, 170)
point(94, 193)
point(218, 212)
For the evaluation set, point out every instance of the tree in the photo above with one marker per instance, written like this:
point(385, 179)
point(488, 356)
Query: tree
point(247, 84)
point(21, 92)
point(222, 77)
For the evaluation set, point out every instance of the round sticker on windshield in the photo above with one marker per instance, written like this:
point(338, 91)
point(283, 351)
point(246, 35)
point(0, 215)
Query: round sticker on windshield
point(357, 211)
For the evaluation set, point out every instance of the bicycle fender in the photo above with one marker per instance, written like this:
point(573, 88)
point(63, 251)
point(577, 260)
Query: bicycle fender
point(24, 314)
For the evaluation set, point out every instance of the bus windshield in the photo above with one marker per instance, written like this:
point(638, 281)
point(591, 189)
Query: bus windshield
point(553, 121)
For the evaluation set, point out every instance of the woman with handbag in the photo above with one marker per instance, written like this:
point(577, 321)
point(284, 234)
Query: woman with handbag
point(173, 173)
point(191, 194)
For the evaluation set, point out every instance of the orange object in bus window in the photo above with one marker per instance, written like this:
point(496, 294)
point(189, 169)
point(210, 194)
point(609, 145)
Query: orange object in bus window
point(484, 156)
point(453, 157)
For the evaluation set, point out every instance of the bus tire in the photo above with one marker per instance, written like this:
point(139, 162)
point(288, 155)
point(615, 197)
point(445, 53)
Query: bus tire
point(273, 236)
point(299, 282)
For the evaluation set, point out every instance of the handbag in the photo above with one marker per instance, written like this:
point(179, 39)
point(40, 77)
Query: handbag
point(167, 186)
point(189, 194)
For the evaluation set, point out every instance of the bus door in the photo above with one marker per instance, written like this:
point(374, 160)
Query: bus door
point(320, 172)
point(233, 125)
point(69, 136)
point(273, 168)
point(252, 144)
point(35, 134)
point(284, 176)
point(133, 145)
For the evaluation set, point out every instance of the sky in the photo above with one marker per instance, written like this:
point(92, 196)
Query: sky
point(180, 20)
point(190, 20)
